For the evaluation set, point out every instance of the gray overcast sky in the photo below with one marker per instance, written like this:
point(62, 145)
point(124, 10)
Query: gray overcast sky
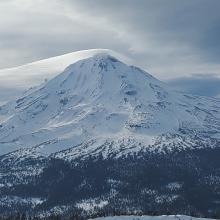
point(168, 38)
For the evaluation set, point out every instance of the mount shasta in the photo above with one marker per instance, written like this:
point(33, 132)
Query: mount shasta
point(103, 135)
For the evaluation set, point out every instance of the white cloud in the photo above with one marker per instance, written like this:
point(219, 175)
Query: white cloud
point(167, 40)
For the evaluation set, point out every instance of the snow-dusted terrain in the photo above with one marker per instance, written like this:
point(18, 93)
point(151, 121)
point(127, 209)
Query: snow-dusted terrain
point(163, 217)
point(100, 108)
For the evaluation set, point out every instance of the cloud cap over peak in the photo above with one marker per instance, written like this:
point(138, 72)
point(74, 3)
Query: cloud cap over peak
point(168, 39)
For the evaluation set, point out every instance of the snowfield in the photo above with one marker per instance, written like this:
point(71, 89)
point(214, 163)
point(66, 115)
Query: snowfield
point(163, 217)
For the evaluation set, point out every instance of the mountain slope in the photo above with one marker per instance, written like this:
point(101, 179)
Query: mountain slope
point(99, 100)
point(107, 133)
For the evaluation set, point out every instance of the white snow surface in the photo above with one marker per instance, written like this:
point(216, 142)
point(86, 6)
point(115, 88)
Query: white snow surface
point(102, 105)
point(90, 204)
point(162, 217)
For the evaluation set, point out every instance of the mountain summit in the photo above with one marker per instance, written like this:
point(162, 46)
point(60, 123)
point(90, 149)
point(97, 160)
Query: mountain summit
point(35, 73)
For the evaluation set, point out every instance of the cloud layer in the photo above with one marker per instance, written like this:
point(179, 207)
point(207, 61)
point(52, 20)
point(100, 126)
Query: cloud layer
point(198, 84)
point(167, 38)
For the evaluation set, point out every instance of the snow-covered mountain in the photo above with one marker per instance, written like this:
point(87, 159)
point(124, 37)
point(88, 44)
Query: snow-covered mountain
point(102, 103)
point(101, 111)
